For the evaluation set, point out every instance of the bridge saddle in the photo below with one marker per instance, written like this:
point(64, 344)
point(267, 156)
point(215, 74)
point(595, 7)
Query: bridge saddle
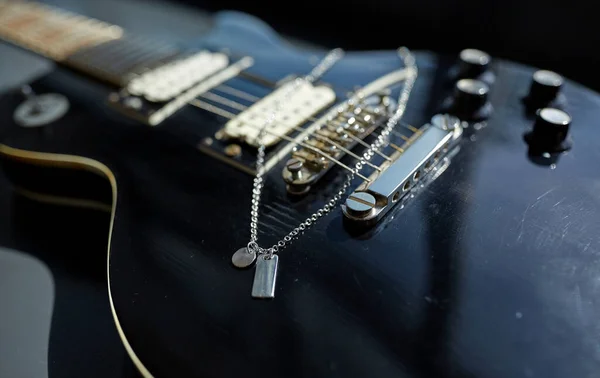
point(413, 166)
point(336, 138)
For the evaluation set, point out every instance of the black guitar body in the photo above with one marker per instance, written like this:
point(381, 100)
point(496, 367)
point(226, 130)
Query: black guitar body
point(491, 271)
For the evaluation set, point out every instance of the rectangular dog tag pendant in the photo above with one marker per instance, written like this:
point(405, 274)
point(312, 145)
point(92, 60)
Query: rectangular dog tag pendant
point(265, 277)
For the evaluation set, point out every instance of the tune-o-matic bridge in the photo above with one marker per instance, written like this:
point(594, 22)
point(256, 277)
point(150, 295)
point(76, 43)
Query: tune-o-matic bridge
point(411, 167)
point(351, 124)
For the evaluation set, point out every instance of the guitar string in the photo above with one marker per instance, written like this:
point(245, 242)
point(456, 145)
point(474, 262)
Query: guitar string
point(235, 105)
point(255, 99)
point(224, 113)
point(253, 247)
point(266, 83)
point(249, 97)
point(214, 109)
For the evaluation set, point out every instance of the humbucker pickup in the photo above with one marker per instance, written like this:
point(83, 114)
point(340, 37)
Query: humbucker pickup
point(302, 103)
point(143, 99)
point(170, 80)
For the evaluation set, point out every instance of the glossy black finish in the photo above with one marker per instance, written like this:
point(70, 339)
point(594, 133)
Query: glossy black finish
point(550, 131)
point(491, 272)
point(544, 91)
point(469, 101)
point(72, 244)
point(473, 64)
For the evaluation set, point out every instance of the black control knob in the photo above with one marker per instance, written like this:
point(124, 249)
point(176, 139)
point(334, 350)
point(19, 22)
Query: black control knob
point(550, 131)
point(545, 90)
point(473, 63)
point(471, 94)
point(470, 100)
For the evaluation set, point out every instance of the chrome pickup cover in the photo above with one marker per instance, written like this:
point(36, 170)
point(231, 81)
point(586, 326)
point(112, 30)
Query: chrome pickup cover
point(170, 80)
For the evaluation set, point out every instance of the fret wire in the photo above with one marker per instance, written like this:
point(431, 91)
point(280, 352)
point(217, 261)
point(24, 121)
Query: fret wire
point(237, 106)
point(217, 110)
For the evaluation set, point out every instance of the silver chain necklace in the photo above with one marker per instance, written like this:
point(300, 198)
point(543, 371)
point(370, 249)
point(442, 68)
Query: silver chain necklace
point(267, 258)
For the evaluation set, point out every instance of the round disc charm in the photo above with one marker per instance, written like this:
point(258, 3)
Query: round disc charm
point(242, 258)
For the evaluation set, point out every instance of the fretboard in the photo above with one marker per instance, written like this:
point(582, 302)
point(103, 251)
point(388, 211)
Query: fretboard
point(95, 47)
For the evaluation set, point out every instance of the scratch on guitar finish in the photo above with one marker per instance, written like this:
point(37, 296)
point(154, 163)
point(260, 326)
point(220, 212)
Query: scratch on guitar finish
point(523, 218)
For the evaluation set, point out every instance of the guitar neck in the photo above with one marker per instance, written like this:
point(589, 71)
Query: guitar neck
point(99, 49)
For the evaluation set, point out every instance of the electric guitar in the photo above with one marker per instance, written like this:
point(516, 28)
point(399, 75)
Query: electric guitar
point(476, 217)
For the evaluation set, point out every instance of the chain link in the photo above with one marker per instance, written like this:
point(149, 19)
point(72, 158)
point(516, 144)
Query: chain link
point(315, 74)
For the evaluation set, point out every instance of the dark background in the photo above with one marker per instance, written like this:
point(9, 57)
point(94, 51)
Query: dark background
point(561, 35)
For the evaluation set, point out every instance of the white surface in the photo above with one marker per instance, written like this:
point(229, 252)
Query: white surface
point(27, 298)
